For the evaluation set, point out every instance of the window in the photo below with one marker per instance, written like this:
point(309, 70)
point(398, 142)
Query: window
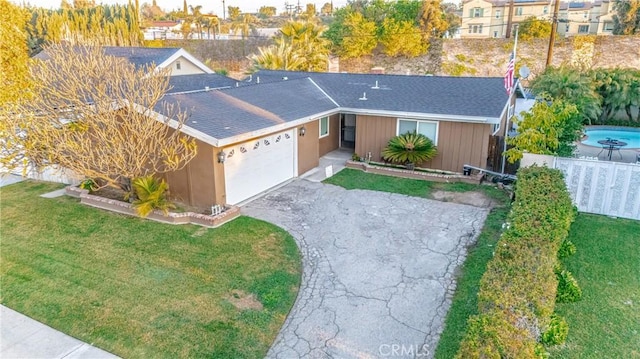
point(476, 12)
point(496, 128)
point(519, 11)
point(608, 26)
point(178, 65)
point(427, 128)
point(498, 13)
point(495, 34)
point(583, 29)
point(545, 10)
point(324, 127)
point(475, 29)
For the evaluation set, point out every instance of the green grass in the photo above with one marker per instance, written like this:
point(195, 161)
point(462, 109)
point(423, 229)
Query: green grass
point(143, 289)
point(606, 322)
point(355, 179)
point(465, 301)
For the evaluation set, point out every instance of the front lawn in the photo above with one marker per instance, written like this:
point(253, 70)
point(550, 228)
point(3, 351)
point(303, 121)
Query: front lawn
point(143, 289)
point(606, 322)
point(355, 179)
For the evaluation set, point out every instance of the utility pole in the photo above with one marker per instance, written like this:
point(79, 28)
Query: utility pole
point(554, 29)
point(509, 20)
point(224, 11)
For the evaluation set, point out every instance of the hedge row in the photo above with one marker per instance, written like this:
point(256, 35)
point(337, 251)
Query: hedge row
point(517, 293)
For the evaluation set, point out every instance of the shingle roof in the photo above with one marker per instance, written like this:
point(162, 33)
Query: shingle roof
point(184, 83)
point(139, 56)
point(226, 113)
point(462, 96)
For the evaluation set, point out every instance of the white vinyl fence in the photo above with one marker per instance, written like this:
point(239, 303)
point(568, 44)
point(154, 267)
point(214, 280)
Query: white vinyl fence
point(601, 187)
point(609, 188)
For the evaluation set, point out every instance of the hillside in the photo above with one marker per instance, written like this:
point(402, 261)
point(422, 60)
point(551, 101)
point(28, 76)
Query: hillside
point(488, 57)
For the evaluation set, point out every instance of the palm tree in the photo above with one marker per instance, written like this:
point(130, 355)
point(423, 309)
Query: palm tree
point(245, 24)
point(197, 18)
point(277, 57)
point(410, 148)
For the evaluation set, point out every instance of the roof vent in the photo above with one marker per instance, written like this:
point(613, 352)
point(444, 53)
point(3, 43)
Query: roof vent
point(206, 88)
point(364, 97)
point(250, 78)
point(285, 78)
point(237, 84)
point(258, 79)
point(376, 86)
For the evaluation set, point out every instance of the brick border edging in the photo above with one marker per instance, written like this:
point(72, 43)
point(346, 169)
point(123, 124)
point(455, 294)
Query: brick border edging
point(403, 173)
point(230, 213)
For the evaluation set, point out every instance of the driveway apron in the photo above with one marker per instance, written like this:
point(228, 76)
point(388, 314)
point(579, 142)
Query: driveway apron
point(378, 269)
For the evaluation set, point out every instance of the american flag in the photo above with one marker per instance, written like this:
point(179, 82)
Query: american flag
point(508, 76)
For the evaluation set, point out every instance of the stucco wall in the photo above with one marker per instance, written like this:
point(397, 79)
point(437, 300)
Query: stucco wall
point(186, 67)
point(308, 147)
point(330, 143)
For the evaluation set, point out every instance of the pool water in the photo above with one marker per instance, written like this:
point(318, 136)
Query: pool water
point(632, 138)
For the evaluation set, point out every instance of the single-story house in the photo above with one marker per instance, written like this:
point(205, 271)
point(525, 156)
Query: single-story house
point(255, 134)
point(276, 126)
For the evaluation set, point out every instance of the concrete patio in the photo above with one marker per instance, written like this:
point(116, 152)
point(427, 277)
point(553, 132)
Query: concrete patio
point(624, 155)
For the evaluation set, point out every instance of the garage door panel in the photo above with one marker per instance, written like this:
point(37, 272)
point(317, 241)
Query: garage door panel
point(257, 165)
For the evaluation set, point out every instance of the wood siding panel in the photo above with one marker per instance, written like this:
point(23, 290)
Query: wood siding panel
point(330, 143)
point(373, 134)
point(459, 143)
point(308, 147)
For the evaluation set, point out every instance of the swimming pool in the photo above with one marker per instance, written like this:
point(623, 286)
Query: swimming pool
point(629, 135)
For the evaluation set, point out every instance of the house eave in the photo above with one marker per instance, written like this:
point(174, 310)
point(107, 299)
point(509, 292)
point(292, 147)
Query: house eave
point(183, 53)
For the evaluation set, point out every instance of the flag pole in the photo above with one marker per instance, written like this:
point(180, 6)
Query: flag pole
point(511, 91)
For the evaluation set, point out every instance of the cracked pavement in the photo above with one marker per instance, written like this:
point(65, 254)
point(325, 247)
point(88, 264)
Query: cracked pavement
point(378, 269)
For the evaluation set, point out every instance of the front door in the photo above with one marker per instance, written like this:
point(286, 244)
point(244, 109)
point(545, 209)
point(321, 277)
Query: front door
point(348, 131)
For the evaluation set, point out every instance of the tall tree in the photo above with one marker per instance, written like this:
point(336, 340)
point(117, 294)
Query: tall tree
point(326, 9)
point(431, 20)
point(267, 11)
point(626, 20)
point(402, 38)
point(234, 12)
point(14, 54)
point(361, 38)
point(571, 86)
point(280, 56)
point(89, 115)
point(534, 28)
point(550, 129)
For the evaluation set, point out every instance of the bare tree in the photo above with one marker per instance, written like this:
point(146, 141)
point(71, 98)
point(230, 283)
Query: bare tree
point(98, 116)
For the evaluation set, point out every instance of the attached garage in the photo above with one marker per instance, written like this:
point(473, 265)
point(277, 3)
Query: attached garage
point(255, 166)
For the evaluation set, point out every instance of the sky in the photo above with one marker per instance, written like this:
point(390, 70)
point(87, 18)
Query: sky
point(214, 6)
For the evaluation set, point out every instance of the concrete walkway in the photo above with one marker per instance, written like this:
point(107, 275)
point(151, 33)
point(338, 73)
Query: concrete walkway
point(378, 269)
point(329, 164)
point(22, 337)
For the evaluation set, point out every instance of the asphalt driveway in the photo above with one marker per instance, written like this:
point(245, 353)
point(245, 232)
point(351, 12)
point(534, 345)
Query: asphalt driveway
point(378, 269)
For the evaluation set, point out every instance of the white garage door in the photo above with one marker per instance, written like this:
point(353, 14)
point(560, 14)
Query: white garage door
point(257, 165)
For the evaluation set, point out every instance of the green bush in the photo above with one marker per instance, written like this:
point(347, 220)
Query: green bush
point(517, 293)
point(568, 289)
point(567, 248)
point(152, 195)
point(409, 148)
point(557, 331)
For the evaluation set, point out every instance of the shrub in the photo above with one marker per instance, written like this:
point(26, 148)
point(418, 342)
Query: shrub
point(567, 248)
point(89, 184)
point(409, 148)
point(557, 331)
point(568, 290)
point(517, 293)
point(152, 195)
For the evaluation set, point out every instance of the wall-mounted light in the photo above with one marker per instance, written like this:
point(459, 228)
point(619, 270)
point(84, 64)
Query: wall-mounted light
point(303, 130)
point(221, 157)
